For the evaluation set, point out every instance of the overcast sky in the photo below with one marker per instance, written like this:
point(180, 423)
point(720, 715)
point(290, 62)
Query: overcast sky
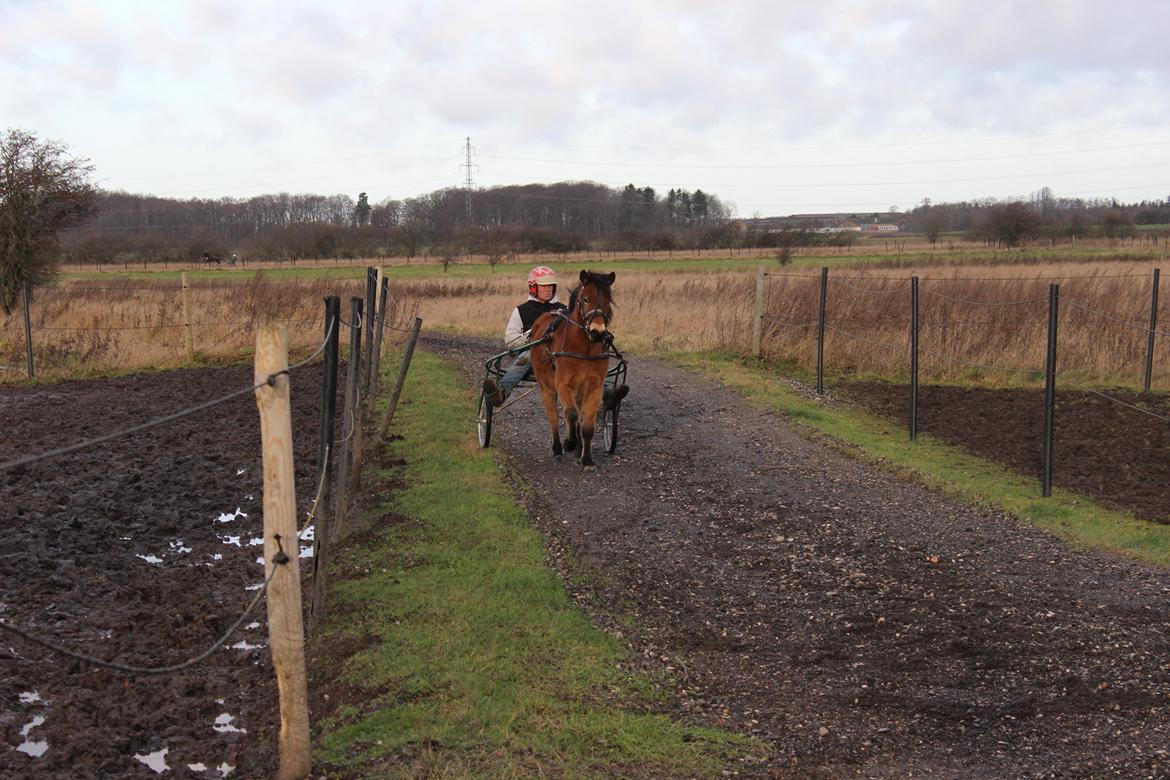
point(777, 107)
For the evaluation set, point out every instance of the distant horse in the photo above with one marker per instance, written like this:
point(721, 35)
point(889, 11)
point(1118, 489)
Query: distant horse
point(211, 259)
point(572, 364)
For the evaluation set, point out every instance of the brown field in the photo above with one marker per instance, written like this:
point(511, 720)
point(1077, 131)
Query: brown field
point(96, 326)
point(1102, 331)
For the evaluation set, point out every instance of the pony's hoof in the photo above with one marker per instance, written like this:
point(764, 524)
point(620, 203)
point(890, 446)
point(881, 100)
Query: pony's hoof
point(588, 467)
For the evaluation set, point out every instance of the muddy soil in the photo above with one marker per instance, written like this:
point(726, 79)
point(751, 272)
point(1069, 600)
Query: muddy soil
point(1101, 448)
point(857, 624)
point(140, 551)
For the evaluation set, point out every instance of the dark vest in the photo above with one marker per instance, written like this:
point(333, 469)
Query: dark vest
point(531, 310)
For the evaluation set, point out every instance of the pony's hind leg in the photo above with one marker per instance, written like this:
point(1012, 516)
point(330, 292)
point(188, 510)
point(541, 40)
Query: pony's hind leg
point(549, 397)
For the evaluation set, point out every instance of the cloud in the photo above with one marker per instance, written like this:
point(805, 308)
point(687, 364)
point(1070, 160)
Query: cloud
point(188, 88)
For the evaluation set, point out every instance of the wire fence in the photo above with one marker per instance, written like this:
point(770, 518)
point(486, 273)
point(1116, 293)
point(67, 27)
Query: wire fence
point(16, 469)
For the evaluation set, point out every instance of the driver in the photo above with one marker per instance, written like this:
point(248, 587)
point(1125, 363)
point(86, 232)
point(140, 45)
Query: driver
point(542, 298)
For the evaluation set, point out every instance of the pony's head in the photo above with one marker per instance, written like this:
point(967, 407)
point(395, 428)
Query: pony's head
point(591, 302)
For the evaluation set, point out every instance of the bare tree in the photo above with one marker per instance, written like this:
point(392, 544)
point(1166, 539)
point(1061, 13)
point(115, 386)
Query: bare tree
point(42, 191)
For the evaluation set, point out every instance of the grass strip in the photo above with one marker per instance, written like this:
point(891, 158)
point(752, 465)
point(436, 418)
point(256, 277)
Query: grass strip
point(978, 481)
point(476, 661)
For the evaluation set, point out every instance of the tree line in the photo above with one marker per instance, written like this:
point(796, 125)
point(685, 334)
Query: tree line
point(1041, 216)
point(562, 217)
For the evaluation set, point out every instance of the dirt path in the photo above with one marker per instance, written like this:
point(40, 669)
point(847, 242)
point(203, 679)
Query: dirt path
point(861, 625)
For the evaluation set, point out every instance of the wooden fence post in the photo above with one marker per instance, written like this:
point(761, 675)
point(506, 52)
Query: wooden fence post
point(393, 404)
point(188, 336)
point(286, 634)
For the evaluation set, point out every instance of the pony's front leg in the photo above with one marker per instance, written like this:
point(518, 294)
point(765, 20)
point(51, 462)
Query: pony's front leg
point(588, 404)
point(572, 417)
point(549, 397)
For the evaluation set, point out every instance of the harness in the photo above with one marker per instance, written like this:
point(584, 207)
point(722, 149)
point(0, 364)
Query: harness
point(608, 349)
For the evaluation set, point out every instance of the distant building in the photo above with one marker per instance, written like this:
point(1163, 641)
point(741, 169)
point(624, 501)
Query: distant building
point(827, 223)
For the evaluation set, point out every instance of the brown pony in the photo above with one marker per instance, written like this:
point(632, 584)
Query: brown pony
point(571, 365)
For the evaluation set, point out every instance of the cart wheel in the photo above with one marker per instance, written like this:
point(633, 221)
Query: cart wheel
point(609, 427)
point(483, 420)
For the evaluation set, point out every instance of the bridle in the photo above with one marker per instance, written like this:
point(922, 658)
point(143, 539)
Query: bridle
point(586, 318)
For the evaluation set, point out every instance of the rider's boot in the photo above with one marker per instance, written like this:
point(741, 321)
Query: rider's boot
point(611, 397)
point(493, 392)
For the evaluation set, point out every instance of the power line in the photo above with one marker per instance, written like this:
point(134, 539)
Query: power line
point(875, 164)
point(803, 149)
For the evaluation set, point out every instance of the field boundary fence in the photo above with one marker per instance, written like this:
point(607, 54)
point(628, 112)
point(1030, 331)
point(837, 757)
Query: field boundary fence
point(209, 316)
point(288, 615)
point(810, 299)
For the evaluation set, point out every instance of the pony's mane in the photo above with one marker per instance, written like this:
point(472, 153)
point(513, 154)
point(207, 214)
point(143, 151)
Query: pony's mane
point(600, 280)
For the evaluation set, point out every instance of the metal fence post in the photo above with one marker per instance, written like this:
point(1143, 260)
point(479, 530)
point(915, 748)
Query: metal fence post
point(350, 423)
point(758, 320)
point(821, 333)
point(1150, 336)
point(384, 428)
point(1050, 388)
point(377, 350)
point(371, 313)
point(913, 358)
point(27, 328)
point(325, 455)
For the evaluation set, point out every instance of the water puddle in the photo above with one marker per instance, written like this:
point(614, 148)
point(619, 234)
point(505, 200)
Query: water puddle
point(223, 725)
point(35, 749)
point(228, 517)
point(243, 645)
point(156, 760)
point(224, 769)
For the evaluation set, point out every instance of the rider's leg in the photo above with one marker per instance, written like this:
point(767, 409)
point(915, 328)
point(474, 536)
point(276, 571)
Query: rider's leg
point(512, 377)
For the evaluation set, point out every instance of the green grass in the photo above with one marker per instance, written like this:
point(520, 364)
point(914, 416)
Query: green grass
point(1068, 515)
point(482, 665)
point(863, 255)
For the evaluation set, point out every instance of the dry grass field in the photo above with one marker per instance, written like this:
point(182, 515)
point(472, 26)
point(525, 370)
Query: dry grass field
point(977, 319)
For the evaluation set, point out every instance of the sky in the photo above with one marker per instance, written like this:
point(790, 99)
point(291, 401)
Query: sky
point(777, 107)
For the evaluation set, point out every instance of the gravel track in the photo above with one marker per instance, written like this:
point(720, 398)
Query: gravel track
point(859, 624)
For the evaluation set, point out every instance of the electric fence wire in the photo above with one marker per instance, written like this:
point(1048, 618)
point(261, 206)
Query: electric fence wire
point(865, 340)
point(1126, 323)
point(144, 670)
point(841, 281)
point(271, 379)
point(779, 323)
point(1115, 400)
point(280, 559)
point(982, 303)
point(948, 359)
